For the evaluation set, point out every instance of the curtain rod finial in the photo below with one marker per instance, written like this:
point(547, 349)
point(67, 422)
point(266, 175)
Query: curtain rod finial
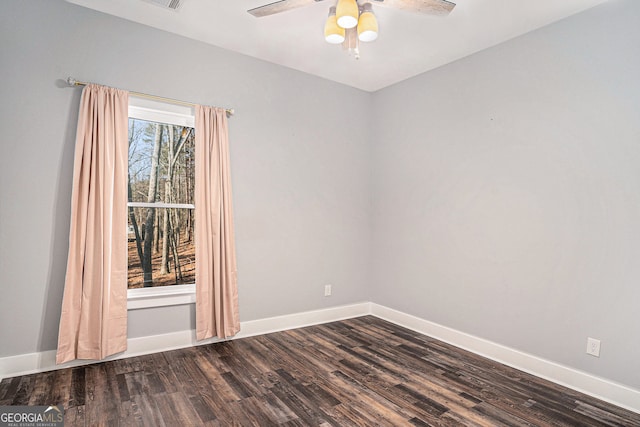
point(71, 81)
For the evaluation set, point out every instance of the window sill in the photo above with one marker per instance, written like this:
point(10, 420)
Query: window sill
point(161, 297)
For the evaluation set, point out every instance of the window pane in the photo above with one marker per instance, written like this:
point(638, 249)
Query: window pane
point(166, 235)
point(161, 162)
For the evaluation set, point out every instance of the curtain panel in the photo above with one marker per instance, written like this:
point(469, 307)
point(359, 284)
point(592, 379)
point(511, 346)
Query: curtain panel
point(93, 323)
point(216, 272)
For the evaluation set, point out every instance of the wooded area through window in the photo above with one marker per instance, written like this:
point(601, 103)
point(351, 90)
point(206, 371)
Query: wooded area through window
point(161, 180)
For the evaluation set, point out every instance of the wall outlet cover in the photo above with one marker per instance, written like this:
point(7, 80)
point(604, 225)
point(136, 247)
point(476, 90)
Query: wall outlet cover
point(593, 347)
point(327, 290)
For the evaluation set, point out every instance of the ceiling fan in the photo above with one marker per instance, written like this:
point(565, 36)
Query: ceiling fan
point(350, 22)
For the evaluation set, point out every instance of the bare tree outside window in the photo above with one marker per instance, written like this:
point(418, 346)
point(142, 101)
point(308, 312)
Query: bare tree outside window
point(161, 220)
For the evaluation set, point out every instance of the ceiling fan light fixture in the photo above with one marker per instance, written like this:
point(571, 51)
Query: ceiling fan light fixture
point(347, 13)
point(367, 24)
point(333, 33)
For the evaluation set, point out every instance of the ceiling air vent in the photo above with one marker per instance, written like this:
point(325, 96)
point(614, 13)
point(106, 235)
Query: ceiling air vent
point(168, 4)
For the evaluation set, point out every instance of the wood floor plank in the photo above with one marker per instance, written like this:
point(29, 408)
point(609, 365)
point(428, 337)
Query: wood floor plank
point(41, 387)
point(176, 409)
point(74, 416)
point(77, 392)
point(146, 411)
point(356, 372)
point(9, 390)
point(306, 411)
point(23, 393)
point(101, 403)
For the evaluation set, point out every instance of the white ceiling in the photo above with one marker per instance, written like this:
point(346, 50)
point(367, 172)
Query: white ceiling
point(408, 43)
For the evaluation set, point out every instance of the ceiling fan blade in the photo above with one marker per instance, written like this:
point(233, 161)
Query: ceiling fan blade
point(429, 7)
point(279, 6)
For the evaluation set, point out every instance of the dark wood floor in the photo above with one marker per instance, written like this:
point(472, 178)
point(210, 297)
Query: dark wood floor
point(363, 372)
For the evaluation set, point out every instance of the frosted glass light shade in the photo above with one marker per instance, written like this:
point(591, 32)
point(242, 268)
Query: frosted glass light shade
point(367, 25)
point(347, 13)
point(333, 33)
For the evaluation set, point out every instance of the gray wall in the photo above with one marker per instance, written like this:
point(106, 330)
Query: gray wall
point(507, 193)
point(299, 166)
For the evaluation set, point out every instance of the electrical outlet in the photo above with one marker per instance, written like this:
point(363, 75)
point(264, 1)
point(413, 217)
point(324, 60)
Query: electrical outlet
point(327, 290)
point(593, 347)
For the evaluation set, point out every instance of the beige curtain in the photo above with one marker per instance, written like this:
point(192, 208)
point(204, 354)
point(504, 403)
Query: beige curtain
point(216, 275)
point(93, 323)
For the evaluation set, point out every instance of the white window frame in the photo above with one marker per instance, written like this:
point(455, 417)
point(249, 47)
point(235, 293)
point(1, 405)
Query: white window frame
point(162, 112)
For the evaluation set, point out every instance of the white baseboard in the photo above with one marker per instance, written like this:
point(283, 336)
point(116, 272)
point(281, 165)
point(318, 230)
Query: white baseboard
point(609, 391)
point(24, 364)
point(300, 320)
point(583, 382)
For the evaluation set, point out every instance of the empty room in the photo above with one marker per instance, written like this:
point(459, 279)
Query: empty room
point(320, 213)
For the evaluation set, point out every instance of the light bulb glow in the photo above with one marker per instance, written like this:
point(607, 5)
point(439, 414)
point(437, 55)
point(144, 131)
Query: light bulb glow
point(367, 25)
point(347, 13)
point(332, 32)
point(367, 31)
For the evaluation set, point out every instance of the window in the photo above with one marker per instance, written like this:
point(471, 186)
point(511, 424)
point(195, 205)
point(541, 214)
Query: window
point(161, 250)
